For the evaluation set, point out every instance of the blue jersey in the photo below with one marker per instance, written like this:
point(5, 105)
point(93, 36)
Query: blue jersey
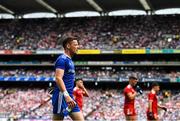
point(58, 99)
point(66, 63)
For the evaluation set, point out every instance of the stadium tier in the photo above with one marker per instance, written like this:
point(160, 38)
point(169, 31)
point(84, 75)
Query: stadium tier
point(113, 51)
point(102, 104)
point(104, 33)
point(99, 74)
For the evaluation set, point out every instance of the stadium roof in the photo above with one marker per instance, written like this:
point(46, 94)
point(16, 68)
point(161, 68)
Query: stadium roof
point(21, 7)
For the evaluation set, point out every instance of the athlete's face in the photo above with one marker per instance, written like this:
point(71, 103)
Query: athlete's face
point(134, 82)
point(73, 46)
point(80, 83)
point(157, 88)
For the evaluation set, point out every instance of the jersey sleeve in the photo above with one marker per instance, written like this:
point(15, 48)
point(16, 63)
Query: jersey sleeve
point(75, 92)
point(127, 90)
point(60, 63)
point(150, 97)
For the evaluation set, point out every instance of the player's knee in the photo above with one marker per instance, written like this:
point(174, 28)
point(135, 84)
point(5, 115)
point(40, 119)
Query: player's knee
point(131, 118)
point(77, 116)
point(57, 117)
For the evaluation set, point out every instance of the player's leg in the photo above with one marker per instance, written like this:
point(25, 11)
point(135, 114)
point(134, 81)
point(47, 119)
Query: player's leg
point(57, 102)
point(77, 116)
point(130, 118)
point(150, 118)
point(133, 118)
point(57, 117)
point(130, 114)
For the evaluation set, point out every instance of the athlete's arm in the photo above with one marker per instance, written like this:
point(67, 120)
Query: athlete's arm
point(74, 94)
point(131, 95)
point(59, 81)
point(162, 107)
point(150, 105)
point(150, 101)
point(74, 97)
point(85, 92)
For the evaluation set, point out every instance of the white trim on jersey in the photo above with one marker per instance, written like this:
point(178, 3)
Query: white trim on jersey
point(60, 98)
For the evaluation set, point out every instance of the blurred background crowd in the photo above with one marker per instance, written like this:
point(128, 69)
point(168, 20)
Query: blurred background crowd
point(101, 105)
point(115, 74)
point(105, 33)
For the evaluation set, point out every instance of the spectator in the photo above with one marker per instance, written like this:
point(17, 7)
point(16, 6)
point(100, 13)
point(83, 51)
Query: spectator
point(106, 33)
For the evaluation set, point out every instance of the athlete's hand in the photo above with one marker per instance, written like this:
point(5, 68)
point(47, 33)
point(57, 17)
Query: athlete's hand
point(82, 86)
point(155, 116)
point(164, 108)
point(135, 93)
point(71, 103)
point(151, 115)
point(138, 89)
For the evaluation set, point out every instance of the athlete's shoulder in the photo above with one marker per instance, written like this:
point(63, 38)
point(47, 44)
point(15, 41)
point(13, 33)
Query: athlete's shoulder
point(62, 56)
point(128, 87)
point(75, 89)
point(152, 94)
point(60, 62)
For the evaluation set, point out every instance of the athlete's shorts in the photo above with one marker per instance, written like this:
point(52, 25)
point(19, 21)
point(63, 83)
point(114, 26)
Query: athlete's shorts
point(129, 112)
point(59, 104)
point(151, 118)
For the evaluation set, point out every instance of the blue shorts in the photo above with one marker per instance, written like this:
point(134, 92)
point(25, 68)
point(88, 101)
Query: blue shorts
point(60, 106)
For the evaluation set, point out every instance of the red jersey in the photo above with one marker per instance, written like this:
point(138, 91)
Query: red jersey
point(78, 93)
point(153, 98)
point(129, 103)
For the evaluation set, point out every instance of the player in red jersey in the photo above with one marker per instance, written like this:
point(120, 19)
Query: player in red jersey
point(79, 92)
point(152, 111)
point(130, 94)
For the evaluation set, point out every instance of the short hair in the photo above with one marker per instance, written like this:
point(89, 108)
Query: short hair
point(67, 40)
point(76, 80)
point(154, 84)
point(132, 78)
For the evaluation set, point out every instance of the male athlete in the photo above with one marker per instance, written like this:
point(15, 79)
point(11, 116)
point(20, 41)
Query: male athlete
point(152, 111)
point(79, 92)
point(62, 99)
point(130, 94)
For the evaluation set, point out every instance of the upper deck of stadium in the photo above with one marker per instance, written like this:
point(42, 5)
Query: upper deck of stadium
point(62, 7)
point(158, 32)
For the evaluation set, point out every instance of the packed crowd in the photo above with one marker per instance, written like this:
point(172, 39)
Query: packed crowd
point(110, 73)
point(118, 73)
point(112, 106)
point(106, 33)
point(101, 105)
point(43, 112)
point(22, 101)
point(2, 93)
point(27, 73)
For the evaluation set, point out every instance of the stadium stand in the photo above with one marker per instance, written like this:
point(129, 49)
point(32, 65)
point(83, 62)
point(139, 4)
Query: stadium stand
point(105, 33)
point(114, 74)
point(102, 105)
point(40, 41)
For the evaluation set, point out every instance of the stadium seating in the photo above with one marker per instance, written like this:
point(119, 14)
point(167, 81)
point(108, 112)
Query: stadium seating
point(93, 74)
point(29, 104)
point(105, 33)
